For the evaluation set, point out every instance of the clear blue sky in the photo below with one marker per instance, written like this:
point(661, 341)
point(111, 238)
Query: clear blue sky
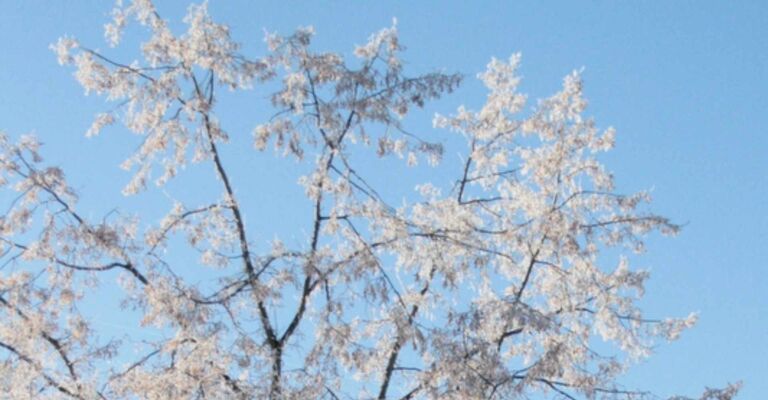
point(683, 82)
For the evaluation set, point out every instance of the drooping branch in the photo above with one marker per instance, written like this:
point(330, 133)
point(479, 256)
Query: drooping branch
point(49, 379)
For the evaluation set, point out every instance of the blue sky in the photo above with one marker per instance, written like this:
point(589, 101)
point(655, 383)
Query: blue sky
point(683, 82)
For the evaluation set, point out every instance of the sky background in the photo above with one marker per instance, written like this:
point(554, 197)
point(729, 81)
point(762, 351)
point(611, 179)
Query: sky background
point(684, 84)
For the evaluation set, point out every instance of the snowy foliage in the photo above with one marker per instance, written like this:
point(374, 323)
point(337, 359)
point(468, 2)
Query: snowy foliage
point(495, 289)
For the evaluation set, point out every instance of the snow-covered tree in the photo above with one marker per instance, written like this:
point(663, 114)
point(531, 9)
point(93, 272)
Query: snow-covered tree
point(497, 285)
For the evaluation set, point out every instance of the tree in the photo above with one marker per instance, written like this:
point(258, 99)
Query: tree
point(496, 287)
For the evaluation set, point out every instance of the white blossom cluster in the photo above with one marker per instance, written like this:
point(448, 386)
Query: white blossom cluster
point(497, 288)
